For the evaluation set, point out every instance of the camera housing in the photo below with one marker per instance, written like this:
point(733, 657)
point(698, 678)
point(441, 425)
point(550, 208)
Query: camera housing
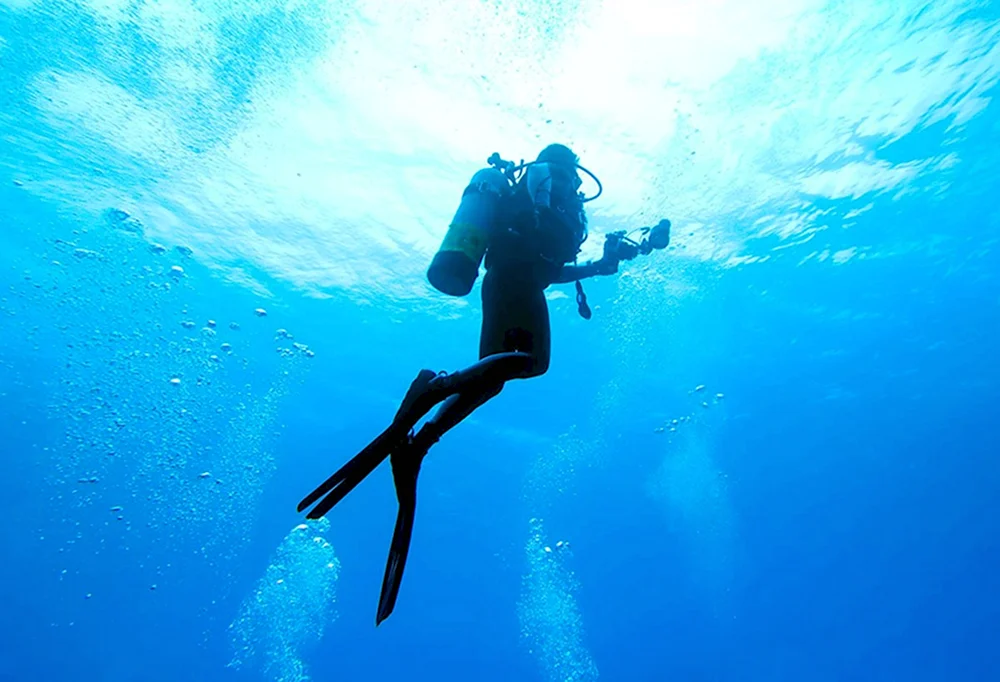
point(621, 247)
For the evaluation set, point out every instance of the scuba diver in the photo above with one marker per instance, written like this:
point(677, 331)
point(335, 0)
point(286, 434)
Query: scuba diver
point(528, 221)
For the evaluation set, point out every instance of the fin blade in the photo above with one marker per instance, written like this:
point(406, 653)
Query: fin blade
point(406, 463)
point(365, 462)
point(359, 466)
point(398, 551)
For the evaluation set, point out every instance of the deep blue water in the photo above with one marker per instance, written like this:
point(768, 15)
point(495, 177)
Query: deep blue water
point(771, 455)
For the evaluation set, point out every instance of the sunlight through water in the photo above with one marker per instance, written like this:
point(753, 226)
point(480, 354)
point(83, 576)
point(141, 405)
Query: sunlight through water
point(330, 149)
point(216, 218)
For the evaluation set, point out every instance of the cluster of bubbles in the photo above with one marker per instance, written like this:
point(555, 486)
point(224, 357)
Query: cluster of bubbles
point(693, 495)
point(551, 622)
point(168, 414)
point(674, 424)
point(550, 618)
point(552, 474)
point(290, 608)
point(284, 336)
point(686, 482)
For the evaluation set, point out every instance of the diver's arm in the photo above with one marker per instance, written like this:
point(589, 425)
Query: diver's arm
point(573, 273)
point(614, 252)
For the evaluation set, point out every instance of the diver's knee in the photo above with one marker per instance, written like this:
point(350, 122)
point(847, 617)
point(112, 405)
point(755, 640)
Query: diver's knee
point(539, 367)
point(528, 366)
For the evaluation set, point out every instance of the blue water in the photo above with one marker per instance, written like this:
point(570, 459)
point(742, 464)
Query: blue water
point(771, 454)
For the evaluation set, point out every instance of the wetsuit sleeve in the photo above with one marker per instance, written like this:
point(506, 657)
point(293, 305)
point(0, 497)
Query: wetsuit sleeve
point(572, 273)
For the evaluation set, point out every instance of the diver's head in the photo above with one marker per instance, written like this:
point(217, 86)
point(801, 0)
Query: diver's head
point(553, 184)
point(558, 154)
point(562, 163)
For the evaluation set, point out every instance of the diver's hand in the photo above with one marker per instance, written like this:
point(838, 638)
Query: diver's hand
point(615, 251)
point(608, 265)
point(626, 251)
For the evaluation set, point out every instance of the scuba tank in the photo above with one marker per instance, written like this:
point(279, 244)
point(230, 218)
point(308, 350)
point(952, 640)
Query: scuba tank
point(539, 181)
point(456, 264)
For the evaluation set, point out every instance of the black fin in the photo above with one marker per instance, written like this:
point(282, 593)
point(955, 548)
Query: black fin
point(365, 462)
point(398, 551)
point(351, 474)
point(406, 463)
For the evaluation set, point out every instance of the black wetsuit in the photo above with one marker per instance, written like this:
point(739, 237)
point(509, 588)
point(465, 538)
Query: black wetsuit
point(524, 259)
point(515, 318)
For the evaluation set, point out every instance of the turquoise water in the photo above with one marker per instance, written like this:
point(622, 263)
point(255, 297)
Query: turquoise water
point(770, 455)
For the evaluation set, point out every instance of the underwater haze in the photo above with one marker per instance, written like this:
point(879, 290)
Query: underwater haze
point(771, 455)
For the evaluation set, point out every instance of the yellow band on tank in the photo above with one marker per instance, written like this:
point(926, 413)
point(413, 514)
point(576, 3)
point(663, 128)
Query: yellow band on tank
point(467, 239)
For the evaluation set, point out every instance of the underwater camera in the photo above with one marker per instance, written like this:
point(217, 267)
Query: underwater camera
point(621, 245)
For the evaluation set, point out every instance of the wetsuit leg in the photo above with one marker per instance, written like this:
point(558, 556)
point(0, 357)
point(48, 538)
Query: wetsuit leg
point(514, 344)
point(515, 318)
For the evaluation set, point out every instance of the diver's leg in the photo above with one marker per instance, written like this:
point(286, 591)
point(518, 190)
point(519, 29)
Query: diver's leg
point(451, 413)
point(482, 376)
point(515, 319)
point(514, 344)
